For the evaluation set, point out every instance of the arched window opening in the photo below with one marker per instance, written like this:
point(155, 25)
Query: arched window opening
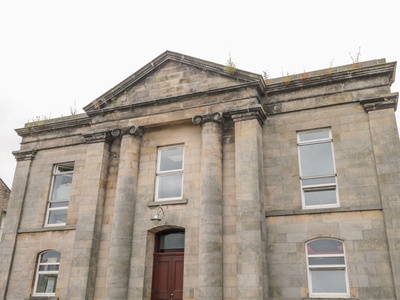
point(47, 273)
point(327, 272)
point(170, 241)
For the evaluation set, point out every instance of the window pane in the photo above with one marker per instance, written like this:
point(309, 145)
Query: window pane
point(59, 204)
point(314, 135)
point(323, 247)
point(171, 159)
point(49, 267)
point(46, 283)
point(61, 187)
point(69, 167)
point(317, 261)
point(317, 181)
point(172, 241)
point(57, 216)
point(319, 197)
point(328, 281)
point(170, 186)
point(316, 160)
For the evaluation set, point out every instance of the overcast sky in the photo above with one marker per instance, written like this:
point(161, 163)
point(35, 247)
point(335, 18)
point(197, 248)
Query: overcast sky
point(54, 54)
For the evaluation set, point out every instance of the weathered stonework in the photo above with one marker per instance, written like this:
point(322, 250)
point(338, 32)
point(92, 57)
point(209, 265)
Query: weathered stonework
point(4, 196)
point(241, 210)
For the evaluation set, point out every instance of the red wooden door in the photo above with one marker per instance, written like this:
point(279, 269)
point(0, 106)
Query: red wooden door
point(167, 276)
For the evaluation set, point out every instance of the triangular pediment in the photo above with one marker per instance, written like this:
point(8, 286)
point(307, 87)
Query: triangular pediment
point(172, 75)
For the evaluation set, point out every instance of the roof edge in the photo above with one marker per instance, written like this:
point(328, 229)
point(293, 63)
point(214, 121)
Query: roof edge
point(340, 73)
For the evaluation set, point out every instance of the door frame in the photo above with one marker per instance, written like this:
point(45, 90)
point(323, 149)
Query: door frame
point(174, 259)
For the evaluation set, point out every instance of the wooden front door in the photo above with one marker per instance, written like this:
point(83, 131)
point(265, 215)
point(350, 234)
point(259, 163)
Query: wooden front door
point(168, 276)
point(168, 266)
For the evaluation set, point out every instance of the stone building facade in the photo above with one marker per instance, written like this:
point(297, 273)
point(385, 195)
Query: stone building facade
point(4, 196)
point(190, 180)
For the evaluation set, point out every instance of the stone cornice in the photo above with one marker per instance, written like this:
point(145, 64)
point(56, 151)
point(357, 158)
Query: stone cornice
point(380, 102)
point(332, 75)
point(162, 101)
point(98, 137)
point(255, 112)
point(53, 124)
point(201, 119)
point(22, 155)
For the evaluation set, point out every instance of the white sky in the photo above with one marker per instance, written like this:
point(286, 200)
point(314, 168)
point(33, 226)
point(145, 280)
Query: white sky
point(54, 53)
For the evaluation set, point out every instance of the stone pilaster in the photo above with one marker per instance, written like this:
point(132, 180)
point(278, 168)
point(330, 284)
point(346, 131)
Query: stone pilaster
point(210, 228)
point(124, 210)
point(14, 213)
point(88, 228)
point(252, 278)
point(386, 146)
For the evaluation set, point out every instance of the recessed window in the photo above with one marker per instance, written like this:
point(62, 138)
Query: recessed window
point(47, 273)
point(169, 181)
point(171, 242)
point(59, 196)
point(2, 218)
point(327, 274)
point(317, 169)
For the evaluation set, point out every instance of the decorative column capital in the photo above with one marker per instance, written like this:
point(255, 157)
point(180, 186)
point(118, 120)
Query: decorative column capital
point(24, 155)
point(250, 113)
point(108, 136)
point(132, 130)
point(380, 102)
point(201, 119)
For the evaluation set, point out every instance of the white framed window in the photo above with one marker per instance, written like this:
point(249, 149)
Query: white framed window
point(169, 177)
point(2, 218)
point(327, 272)
point(59, 196)
point(47, 273)
point(317, 169)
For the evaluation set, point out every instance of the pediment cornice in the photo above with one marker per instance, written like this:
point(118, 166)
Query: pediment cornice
point(239, 75)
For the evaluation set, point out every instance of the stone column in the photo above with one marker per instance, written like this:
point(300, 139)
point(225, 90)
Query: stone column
point(124, 210)
point(88, 228)
point(210, 228)
point(252, 273)
point(386, 145)
point(13, 219)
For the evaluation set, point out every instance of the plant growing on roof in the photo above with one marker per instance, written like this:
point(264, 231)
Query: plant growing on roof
point(73, 110)
point(356, 60)
point(230, 66)
point(265, 75)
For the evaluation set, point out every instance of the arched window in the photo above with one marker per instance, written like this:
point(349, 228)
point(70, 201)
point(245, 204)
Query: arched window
point(171, 241)
point(327, 272)
point(47, 273)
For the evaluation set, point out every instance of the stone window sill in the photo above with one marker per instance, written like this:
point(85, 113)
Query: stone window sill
point(275, 213)
point(307, 298)
point(172, 202)
point(46, 229)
